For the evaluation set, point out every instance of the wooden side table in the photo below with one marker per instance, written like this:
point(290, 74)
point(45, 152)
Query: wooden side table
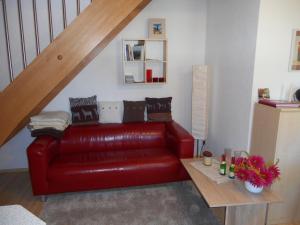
point(242, 207)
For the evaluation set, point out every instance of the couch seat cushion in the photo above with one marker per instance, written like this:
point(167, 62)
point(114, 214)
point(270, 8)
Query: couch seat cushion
point(110, 167)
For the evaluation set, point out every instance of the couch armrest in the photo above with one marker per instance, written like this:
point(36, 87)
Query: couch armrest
point(179, 140)
point(40, 153)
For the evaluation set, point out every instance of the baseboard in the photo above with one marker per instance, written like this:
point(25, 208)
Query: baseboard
point(19, 170)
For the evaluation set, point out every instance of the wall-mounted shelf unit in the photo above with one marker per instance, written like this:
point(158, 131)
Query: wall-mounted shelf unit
point(145, 61)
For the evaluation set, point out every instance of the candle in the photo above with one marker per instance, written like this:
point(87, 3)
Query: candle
point(149, 75)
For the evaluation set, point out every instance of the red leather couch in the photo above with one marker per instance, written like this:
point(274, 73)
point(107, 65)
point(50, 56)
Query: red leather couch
point(109, 155)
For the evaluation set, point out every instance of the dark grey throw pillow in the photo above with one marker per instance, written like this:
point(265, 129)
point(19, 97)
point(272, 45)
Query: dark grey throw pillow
point(134, 111)
point(159, 109)
point(84, 110)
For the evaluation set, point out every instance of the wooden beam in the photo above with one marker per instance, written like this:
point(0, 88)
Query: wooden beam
point(62, 60)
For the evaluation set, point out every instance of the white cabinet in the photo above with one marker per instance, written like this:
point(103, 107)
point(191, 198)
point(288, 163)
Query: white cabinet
point(145, 61)
point(276, 135)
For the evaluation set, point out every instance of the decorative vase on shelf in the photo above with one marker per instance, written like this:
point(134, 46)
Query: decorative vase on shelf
point(252, 188)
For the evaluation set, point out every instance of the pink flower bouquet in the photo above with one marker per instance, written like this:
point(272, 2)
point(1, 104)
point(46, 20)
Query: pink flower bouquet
point(254, 170)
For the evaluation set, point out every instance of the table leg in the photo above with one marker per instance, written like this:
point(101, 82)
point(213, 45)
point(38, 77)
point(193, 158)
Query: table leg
point(246, 215)
point(267, 214)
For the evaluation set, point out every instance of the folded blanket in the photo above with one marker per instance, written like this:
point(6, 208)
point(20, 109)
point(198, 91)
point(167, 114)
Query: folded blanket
point(52, 116)
point(56, 127)
point(47, 131)
point(48, 124)
point(57, 120)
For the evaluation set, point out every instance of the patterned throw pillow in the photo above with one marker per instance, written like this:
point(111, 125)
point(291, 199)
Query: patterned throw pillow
point(111, 112)
point(134, 111)
point(84, 110)
point(159, 109)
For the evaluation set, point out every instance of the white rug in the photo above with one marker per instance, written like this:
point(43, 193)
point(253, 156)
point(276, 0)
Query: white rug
point(168, 204)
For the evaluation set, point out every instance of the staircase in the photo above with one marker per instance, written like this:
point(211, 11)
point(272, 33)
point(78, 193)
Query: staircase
point(62, 60)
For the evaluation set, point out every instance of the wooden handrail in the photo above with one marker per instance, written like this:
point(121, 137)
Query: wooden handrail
point(62, 60)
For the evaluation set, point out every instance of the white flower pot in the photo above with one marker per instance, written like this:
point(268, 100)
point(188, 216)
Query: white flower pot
point(251, 188)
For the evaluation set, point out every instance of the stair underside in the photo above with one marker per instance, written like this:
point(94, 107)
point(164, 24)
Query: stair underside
point(62, 60)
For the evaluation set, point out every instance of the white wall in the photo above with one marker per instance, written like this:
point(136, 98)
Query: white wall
point(277, 19)
point(230, 50)
point(186, 32)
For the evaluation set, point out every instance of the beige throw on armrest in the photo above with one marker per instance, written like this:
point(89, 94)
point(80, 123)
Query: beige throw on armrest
point(58, 120)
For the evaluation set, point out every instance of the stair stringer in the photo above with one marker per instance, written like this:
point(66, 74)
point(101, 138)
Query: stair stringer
point(62, 60)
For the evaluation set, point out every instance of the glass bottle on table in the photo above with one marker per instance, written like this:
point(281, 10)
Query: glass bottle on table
point(223, 165)
point(228, 153)
point(231, 168)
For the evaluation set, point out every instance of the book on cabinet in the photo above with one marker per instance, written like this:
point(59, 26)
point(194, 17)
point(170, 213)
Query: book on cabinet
point(144, 61)
point(279, 103)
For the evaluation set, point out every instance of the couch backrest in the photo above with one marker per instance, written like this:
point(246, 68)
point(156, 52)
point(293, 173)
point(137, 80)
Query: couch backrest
point(103, 137)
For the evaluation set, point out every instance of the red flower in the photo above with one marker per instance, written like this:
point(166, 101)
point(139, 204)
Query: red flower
point(255, 179)
point(240, 161)
point(267, 177)
point(254, 170)
point(256, 161)
point(242, 174)
point(274, 170)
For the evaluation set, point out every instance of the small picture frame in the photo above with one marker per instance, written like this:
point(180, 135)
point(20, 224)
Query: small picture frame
point(295, 51)
point(263, 93)
point(157, 28)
